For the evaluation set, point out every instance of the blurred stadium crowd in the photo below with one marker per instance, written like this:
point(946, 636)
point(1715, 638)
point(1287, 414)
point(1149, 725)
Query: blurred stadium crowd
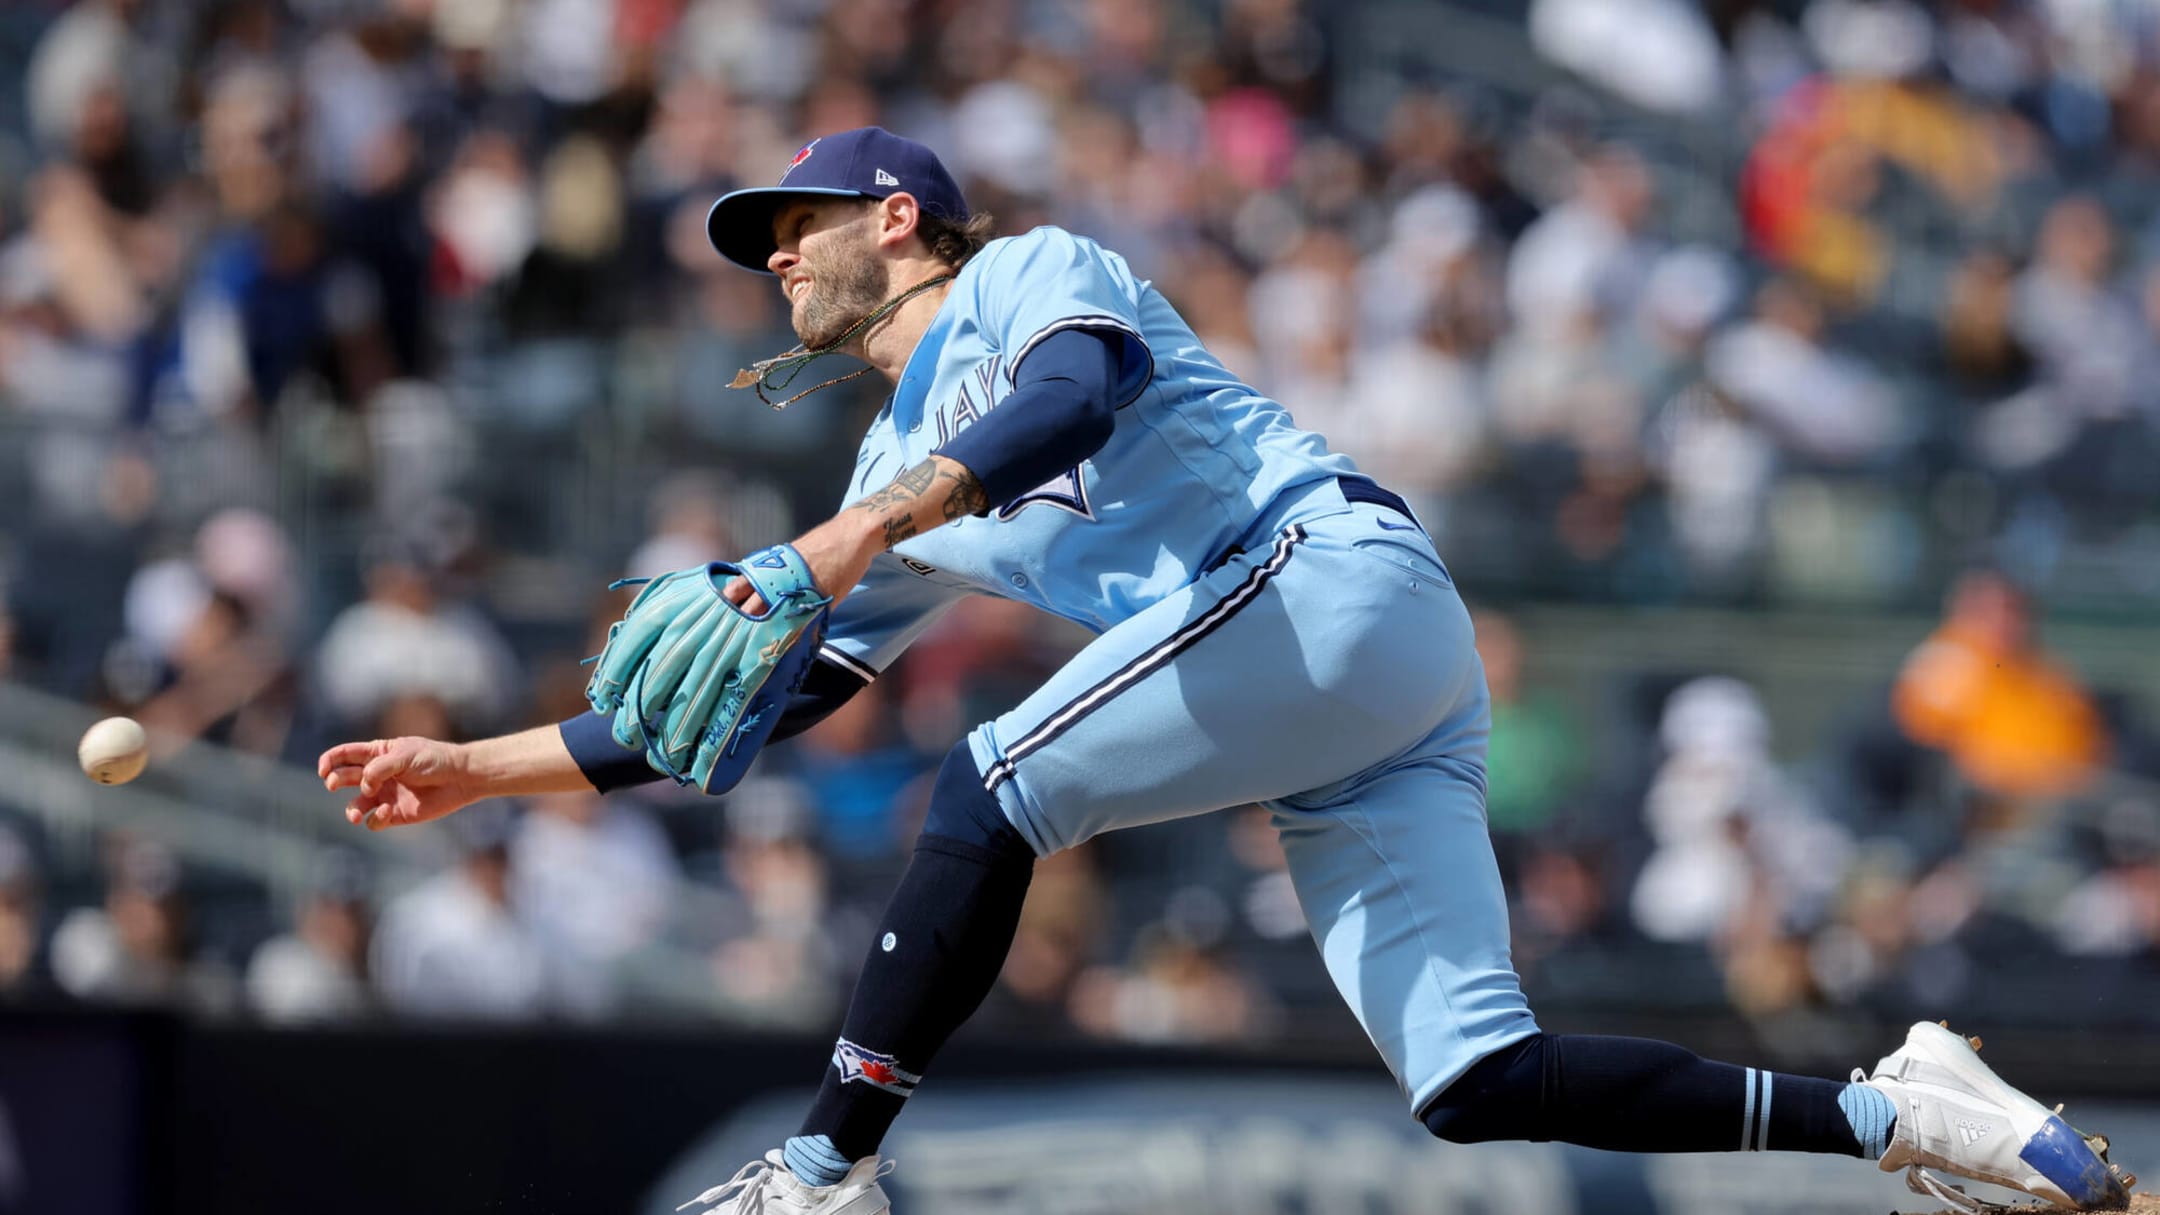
point(349, 347)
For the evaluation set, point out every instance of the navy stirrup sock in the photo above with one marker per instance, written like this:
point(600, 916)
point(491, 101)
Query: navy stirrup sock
point(1636, 1095)
point(938, 951)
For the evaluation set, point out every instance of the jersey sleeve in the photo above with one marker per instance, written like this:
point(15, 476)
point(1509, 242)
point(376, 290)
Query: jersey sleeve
point(884, 614)
point(1060, 413)
point(1048, 281)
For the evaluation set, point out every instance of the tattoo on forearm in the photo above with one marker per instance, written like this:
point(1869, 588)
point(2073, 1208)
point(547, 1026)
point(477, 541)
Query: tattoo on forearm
point(904, 489)
point(966, 496)
point(895, 504)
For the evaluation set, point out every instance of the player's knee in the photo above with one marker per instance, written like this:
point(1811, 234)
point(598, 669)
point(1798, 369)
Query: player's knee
point(1500, 1099)
point(963, 811)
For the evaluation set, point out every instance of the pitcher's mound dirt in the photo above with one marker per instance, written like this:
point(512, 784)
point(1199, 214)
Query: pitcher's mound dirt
point(2140, 1204)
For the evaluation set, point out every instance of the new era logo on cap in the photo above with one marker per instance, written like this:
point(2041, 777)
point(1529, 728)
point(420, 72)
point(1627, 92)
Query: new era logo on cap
point(886, 179)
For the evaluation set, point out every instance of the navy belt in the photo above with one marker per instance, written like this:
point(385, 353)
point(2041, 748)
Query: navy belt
point(1354, 489)
point(1358, 489)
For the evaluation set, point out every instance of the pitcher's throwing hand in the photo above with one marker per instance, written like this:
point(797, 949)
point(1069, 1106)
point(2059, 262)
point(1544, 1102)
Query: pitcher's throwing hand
point(400, 781)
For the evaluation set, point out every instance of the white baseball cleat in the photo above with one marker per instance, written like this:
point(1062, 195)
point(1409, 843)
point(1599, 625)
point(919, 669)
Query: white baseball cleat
point(766, 1187)
point(1954, 1113)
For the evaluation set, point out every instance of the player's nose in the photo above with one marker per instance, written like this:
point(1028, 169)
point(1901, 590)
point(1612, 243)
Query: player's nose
point(781, 259)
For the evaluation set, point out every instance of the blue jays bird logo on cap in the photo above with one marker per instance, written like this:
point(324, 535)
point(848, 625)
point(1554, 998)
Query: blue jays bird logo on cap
point(800, 156)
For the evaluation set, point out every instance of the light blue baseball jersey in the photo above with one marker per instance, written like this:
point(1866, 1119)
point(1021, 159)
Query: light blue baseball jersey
point(1195, 457)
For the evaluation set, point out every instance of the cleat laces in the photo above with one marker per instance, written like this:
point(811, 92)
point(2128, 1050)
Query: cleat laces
point(1922, 1182)
point(751, 1184)
point(749, 1175)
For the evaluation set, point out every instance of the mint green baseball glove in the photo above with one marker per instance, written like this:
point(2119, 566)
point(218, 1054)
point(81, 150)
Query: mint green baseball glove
point(697, 684)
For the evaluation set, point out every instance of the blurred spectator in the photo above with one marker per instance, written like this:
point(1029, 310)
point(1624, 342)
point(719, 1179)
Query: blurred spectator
point(1302, 308)
point(67, 627)
point(1817, 404)
point(1418, 420)
point(1060, 932)
point(1982, 351)
point(1585, 258)
point(689, 526)
point(594, 880)
point(206, 656)
point(1660, 54)
point(485, 218)
point(980, 660)
point(1735, 837)
point(228, 681)
point(63, 341)
point(318, 971)
point(138, 947)
point(1178, 987)
point(1533, 758)
point(1981, 689)
point(854, 769)
point(21, 917)
point(1688, 294)
point(94, 46)
point(2116, 912)
point(2084, 337)
point(1871, 930)
point(257, 313)
point(409, 637)
point(453, 947)
point(1815, 182)
point(244, 553)
point(776, 963)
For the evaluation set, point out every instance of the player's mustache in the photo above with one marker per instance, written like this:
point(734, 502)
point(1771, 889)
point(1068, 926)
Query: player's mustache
point(776, 373)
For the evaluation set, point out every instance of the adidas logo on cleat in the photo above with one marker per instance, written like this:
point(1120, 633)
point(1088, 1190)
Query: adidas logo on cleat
point(1973, 1132)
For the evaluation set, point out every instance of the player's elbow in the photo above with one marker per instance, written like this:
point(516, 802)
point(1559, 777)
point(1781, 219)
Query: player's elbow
point(1092, 428)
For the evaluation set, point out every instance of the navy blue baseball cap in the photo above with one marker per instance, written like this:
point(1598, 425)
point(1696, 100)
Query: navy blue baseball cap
point(868, 162)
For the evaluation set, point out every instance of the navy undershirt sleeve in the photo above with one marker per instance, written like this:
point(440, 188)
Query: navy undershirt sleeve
point(825, 687)
point(592, 744)
point(590, 738)
point(1062, 409)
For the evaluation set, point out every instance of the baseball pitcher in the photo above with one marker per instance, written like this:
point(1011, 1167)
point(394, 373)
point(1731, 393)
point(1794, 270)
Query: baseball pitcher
point(1270, 626)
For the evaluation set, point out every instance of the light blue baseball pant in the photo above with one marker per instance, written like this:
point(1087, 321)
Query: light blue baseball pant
point(1328, 674)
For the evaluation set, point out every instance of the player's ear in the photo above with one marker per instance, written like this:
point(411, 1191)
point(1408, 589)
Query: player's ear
point(899, 215)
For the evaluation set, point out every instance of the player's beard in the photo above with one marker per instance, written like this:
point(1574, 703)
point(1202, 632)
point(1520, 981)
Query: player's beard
point(850, 293)
point(847, 284)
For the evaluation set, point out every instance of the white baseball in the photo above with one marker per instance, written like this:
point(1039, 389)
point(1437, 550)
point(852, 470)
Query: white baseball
point(113, 751)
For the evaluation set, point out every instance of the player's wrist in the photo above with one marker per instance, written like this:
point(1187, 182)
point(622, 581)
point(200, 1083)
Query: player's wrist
point(465, 766)
point(532, 761)
point(869, 532)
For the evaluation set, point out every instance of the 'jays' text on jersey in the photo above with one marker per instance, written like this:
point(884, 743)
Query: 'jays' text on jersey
point(1195, 457)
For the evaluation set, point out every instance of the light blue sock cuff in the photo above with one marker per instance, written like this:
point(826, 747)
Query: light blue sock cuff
point(1872, 1115)
point(815, 1161)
